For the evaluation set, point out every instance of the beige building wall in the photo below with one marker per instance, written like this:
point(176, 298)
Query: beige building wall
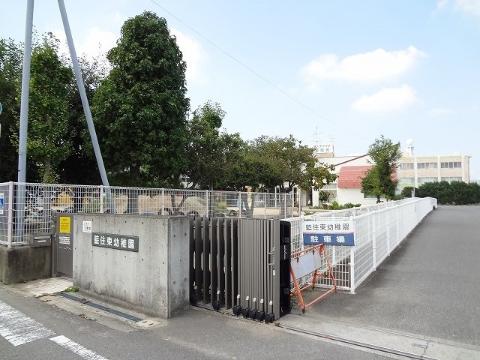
point(417, 170)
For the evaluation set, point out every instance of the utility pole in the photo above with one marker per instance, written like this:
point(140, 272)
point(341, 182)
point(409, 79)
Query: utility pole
point(27, 56)
point(22, 146)
point(83, 94)
point(22, 136)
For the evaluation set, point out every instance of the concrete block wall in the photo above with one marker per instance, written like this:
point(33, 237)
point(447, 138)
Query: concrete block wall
point(24, 263)
point(154, 280)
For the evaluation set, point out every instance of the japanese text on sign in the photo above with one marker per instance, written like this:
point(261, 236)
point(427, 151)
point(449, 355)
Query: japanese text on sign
point(114, 241)
point(65, 225)
point(329, 232)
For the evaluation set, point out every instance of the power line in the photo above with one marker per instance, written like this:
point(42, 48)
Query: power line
point(239, 62)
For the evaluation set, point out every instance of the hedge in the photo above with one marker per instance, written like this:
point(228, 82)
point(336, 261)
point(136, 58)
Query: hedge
point(454, 193)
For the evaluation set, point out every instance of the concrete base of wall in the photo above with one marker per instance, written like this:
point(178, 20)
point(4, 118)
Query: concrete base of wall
point(25, 263)
point(153, 280)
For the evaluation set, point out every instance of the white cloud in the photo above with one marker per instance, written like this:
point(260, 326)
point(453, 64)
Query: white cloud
point(470, 7)
point(441, 4)
point(193, 54)
point(386, 100)
point(97, 42)
point(94, 44)
point(374, 66)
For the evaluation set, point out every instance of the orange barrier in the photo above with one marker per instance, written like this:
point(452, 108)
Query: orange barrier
point(316, 274)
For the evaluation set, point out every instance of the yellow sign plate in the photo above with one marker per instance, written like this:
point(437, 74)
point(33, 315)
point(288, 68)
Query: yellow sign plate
point(65, 224)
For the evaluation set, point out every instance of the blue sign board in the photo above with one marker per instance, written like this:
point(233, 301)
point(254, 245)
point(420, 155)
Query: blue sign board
point(329, 239)
point(329, 232)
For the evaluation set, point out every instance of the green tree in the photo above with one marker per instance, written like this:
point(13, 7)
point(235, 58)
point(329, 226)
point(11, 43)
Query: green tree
point(10, 74)
point(371, 184)
point(210, 152)
point(141, 106)
point(454, 193)
point(73, 168)
point(286, 163)
point(379, 181)
point(48, 134)
point(408, 190)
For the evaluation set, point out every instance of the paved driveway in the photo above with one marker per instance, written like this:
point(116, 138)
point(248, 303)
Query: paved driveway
point(429, 286)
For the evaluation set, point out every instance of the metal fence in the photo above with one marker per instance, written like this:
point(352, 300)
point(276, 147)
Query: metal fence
point(379, 229)
point(27, 209)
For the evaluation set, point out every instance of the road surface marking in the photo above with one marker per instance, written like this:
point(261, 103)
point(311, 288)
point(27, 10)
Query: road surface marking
point(18, 328)
point(76, 348)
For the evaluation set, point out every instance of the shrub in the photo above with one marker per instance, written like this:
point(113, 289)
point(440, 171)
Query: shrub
point(454, 193)
point(407, 191)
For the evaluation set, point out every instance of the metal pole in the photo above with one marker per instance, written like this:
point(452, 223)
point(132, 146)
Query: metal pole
point(22, 136)
point(83, 95)
point(27, 56)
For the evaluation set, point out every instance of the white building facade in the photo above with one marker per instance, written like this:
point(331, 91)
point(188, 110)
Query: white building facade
point(412, 171)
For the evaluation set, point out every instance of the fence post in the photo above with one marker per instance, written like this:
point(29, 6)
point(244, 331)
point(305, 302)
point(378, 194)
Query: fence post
point(398, 227)
point(239, 204)
point(293, 202)
point(352, 269)
point(162, 204)
point(373, 232)
point(207, 202)
point(102, 206)
point(265, 206)
point(387, 220)
point(299, 200)
point(10, 214)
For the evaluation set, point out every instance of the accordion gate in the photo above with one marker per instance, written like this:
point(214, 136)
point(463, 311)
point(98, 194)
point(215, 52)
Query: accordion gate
point(242, 265)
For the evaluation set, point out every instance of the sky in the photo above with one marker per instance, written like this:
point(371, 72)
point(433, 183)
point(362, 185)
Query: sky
point(341, 71)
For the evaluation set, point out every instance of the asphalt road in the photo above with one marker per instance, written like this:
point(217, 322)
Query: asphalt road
point(429, 286)
point(194, 335)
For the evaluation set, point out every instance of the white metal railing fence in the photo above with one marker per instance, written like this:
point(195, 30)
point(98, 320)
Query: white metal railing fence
point(379, 229)
point(28, 209)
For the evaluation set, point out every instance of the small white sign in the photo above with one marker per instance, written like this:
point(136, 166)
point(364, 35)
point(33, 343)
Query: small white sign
point(87, 226)
point(64, 240)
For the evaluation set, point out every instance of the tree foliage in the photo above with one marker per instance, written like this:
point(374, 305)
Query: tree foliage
point(140, 109)
point(141, 106)
point(80, 167)
point(380, 181)
point(407, 191)
point(58, 144)
point(50, 86)
point(210, 152)
point(285, 163)
point(10, 74)
point(454, 193)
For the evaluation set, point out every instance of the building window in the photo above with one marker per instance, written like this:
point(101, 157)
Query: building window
point(405, 166)
point(451, 179)
point(427, 165)
point(451, 165)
